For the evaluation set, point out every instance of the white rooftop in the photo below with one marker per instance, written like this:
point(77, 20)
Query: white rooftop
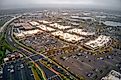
point(113, 75)
point(30, 32)
point(34, 23)
point(45, 22)
point(56, 25)
point(6, 59)
point(45, 28)
point(67, 36)
point(100, 41)
point(80, 31)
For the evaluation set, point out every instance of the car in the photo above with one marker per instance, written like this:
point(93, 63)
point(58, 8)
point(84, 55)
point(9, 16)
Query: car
point(100, 58)
point(21, 66)
point(120, 68)
point(95, 76)
point(11, 66)
point(89, 74)
point(86, 56)
point(11, 71)
point(85, 52)
point(89, 60)
point(18, 68)
point(119, 63)
point(108, 57)
point(32, 74)
point(29, 66)
point(119, 53)
point(101, 71)
point(1, 74)
point(96, 70)
point(73, 56)
point(69, 55)
point(79, 54)
point(82, 61)
point(115, 54)
point(64, 58)
point(1, 77)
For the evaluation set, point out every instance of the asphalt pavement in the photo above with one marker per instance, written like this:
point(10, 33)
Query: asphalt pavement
point(18, 73)
point(27, 52)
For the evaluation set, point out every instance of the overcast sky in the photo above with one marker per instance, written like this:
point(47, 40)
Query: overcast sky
point(28, 3)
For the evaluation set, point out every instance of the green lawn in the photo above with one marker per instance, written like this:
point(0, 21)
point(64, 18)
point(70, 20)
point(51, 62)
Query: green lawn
point(3, 47)
point(2, 54)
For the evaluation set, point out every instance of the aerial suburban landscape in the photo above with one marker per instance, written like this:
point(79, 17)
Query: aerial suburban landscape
point(53, 43)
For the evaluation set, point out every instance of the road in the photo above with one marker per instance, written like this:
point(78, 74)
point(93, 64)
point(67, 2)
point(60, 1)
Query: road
point(33, 56)
point(86, 66)
point(90, 64)
point(2, 29)
point(19, 73)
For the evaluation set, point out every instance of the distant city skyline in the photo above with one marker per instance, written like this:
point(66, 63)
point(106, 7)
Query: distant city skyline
point(111, 4)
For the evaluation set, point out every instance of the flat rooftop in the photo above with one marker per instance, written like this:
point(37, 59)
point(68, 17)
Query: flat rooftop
point(34, 23)
point(45, 27)
point(112, 75)
point(98, 42)
point(30, 32)
point(67, 36)
point(81, 32)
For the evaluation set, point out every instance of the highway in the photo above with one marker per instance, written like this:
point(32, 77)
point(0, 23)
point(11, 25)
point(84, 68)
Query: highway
point(93, 66)
point(28, 53)
point(99, 66)
point(2, 29)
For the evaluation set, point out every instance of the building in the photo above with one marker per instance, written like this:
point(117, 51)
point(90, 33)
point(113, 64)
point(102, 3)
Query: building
point(80, 32)
point(67, 36)
point(26, 33)
point(34, 23)
point(101, 41)
point(45, 28)
point(112, 75)
point(13, 56)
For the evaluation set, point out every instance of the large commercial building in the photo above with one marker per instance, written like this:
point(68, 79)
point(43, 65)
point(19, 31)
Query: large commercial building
point(101, 41)
point(113, 75)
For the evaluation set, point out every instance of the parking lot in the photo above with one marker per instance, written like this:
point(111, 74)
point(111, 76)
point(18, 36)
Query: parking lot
point(52, 37)
point(17, 70)
point(91, 67)
point(43, 41)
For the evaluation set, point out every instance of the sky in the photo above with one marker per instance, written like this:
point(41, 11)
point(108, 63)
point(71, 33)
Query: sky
point(115, 4)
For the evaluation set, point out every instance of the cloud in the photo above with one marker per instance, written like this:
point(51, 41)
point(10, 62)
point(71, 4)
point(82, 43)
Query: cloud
point(101, 3)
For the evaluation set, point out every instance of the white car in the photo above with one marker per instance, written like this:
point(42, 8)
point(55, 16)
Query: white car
point(8, 69)
point(22, 66)
point(11, 71)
